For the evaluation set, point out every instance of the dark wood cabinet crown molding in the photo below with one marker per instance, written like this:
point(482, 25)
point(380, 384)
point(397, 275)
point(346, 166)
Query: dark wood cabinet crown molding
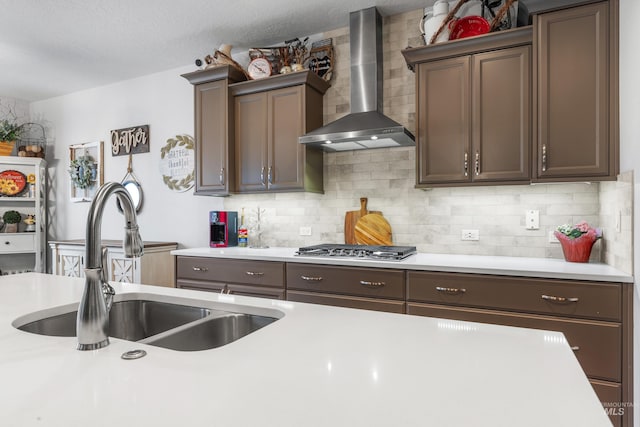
point(498, 40)
point(215, 73)
point(305, 77)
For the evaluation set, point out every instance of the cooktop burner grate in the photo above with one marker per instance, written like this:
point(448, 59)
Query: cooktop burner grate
point(391, 253)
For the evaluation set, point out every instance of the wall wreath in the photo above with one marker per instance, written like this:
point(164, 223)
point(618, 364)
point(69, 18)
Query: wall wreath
point(177, 163)
point(82, 172)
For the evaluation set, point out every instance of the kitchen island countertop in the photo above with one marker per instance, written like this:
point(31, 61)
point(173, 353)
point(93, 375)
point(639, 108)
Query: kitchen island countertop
point(316, 366)
point(477, 264)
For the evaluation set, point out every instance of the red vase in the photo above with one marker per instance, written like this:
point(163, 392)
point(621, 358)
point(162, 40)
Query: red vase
point(578, 249)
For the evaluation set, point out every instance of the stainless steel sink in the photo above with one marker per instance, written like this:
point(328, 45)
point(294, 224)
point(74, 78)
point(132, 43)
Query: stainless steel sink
point(173, 323)
point(211, 333)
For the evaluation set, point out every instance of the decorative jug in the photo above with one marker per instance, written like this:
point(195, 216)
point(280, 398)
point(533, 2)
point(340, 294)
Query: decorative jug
point(431, 21)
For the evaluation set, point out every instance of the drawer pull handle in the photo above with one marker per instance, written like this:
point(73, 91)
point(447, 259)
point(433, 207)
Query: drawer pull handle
point(372, 284)
point(451, 290)
point(200, 269)
point(254, 273)
point(561, 300)
point(575, 348)
point(311, 278)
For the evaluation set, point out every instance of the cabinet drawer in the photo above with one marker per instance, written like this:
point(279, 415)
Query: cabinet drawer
point(366, 282)
point(597, 345)
point(347, 301)
point(256, 273)
point(556, 297)
point(16, 243)
point(610, 394)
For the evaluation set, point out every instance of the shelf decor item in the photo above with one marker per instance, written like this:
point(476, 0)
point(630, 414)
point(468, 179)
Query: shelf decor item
point(12, 183)
point(85, 170)
point(577, 240)
point(8, 135)
point(11, 219)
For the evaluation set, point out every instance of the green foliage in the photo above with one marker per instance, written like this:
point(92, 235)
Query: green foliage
point(8, 130)
point(12, 217)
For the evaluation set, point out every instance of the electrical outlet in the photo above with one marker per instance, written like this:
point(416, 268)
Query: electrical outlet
point(532, 220)
point(619, 222)
point(305, 231)
point(472, 235)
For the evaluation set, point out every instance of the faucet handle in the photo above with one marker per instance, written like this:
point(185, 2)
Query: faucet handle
point(107, 289)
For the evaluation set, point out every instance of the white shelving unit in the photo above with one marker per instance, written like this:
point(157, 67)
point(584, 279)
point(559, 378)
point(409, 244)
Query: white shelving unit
point(25, 250)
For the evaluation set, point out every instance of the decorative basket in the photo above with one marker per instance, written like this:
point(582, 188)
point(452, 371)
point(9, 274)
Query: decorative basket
point(578, 249)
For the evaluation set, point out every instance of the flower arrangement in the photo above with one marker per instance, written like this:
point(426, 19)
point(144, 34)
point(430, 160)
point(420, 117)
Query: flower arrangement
point(579, 230)
point(577, 240)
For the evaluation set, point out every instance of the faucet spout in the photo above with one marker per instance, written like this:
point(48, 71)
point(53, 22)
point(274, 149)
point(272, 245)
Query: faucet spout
point(92, 324)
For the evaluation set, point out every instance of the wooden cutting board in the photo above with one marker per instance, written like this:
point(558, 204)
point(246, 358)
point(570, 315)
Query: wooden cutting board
point(351, 219)
point(373, 229)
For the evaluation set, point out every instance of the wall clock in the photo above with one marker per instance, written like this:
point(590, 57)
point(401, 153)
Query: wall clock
point(259, 68)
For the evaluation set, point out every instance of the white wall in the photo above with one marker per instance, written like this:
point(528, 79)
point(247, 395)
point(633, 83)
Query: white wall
point(164, 101)
point(630, 149)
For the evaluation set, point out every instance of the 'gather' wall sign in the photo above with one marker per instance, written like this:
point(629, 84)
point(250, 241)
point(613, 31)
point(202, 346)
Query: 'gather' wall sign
point(131, 140)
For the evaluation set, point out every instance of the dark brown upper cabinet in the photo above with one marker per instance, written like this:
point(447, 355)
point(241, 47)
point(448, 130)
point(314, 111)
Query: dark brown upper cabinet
point(576, 107)
point(473, 110)
point(214, 127)
point(270, 115)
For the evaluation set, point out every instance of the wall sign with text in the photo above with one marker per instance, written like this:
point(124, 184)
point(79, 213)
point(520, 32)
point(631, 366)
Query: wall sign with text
point(131, 140)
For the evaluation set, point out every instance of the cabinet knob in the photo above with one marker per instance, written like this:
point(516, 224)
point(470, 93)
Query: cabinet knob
point(7, 243)
point(262, 181)
point(450, 290)
point(575, 348)
point(200, 269)
point(560, 300)
point(466, 164)
point(311, 278)
point(477, 165)
point(270, 175)
point(372, 284)
point(254, 273)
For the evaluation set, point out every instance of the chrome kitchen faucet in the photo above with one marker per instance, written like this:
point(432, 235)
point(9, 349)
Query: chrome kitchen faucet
point(92, 324)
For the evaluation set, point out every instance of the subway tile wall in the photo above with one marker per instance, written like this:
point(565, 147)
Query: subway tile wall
point(432, 219)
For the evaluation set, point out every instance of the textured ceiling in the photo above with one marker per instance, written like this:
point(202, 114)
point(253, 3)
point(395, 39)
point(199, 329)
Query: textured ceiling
point(51, 47)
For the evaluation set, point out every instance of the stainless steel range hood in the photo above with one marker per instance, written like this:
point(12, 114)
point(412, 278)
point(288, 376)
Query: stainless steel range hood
point(366, 127)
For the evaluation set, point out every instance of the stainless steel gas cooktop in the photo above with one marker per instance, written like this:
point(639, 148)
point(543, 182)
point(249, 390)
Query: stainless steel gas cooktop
point(389, 253)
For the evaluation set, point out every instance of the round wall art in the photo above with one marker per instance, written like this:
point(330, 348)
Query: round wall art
point(177, 163)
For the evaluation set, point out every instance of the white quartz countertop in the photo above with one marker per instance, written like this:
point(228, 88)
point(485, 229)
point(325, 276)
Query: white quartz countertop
point(316, 366)
point(499, 265)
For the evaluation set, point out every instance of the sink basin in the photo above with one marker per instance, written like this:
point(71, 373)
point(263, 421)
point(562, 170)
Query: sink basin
point(131, 320)
point(212, 332)
point(174, 323)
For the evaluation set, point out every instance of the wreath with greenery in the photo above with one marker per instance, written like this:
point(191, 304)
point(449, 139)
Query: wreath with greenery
point(81, 172)
point(185, 183)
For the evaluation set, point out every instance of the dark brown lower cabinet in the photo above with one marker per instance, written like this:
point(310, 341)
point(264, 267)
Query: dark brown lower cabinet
point(595, 318)
point(365, 288)
point(238, 277)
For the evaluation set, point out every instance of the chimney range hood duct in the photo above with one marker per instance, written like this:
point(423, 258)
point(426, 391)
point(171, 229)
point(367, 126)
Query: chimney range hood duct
point(365, 127)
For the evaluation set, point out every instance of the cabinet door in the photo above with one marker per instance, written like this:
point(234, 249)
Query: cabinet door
point(251, 135)
point(213, 137)
point(501, 115)
point(443, 121)
point(286, 123)
point(573, 93)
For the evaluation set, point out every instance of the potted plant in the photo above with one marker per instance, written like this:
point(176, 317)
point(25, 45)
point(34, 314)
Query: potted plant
point(8, 135)
point(11, 219)
point(577, 240)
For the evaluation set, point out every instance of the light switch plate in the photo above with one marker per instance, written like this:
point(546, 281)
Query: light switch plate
point(472, 235)
point(305, 231)
point(532, 220)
